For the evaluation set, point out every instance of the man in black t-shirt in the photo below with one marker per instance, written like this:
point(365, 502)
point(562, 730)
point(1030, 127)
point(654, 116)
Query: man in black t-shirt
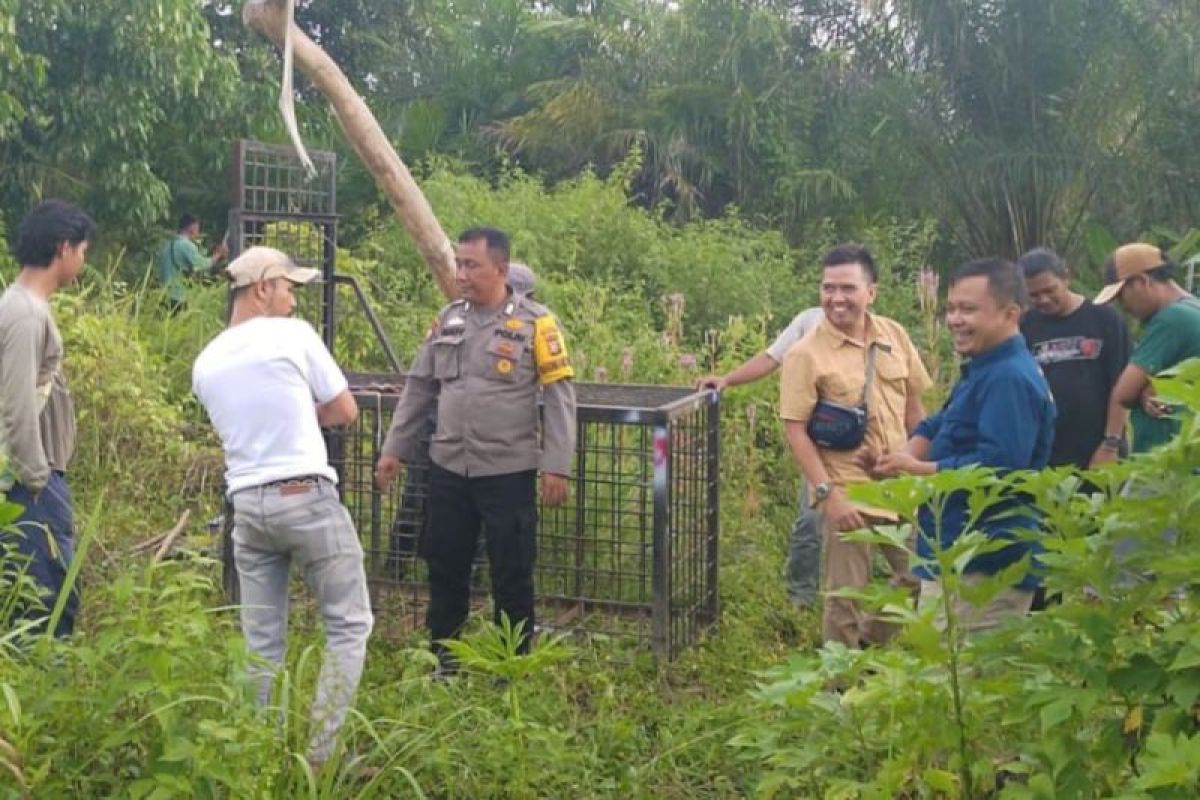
point(1081, 347)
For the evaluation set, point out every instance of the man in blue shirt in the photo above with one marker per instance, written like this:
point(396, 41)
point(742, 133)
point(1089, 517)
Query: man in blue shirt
point(999, 415)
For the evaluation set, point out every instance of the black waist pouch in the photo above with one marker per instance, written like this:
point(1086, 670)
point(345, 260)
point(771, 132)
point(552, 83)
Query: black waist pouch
point(840, 427)
point(837, 427)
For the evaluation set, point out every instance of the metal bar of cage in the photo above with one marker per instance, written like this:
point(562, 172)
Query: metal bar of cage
point(372, 317)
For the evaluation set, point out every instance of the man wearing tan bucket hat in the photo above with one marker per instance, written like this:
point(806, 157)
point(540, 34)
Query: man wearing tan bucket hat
point(1141, 278)
point(269, 385)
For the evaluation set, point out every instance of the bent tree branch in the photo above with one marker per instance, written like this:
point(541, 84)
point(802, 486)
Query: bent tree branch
point(269, 18)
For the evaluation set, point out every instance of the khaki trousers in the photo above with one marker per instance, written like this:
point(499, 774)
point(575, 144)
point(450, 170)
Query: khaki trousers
point(973, 619)
point(847, 565)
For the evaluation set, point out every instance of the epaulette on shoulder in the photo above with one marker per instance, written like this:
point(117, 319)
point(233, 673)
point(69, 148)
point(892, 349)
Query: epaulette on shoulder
point(436, 325)
point(531, 306)
point(451, 306)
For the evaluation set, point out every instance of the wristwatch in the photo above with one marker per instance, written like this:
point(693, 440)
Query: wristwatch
point(820, 493)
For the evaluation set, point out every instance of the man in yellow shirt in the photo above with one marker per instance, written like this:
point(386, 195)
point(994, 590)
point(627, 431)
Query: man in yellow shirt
point(855, 360)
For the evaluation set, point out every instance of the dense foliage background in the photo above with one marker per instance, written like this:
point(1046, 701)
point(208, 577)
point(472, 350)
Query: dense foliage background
point(673, 172)
point(1014, 123)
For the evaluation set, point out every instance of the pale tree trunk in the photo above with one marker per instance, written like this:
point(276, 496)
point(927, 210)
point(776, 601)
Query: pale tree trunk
point(269, 17)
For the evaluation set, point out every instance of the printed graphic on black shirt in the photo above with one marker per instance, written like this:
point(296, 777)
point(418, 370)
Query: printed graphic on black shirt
point(1081, 356)
point(1067, 348)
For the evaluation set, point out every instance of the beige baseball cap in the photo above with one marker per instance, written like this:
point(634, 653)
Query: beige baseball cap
point(263, 264)
point(1126, 261)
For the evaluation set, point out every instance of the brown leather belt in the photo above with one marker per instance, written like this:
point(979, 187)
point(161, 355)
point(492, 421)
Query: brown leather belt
point(298, 485)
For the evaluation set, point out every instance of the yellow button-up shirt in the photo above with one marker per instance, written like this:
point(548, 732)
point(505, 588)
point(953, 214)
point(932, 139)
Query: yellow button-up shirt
point(828, 365)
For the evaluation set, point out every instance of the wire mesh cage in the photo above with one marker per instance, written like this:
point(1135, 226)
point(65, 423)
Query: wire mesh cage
point(632, 556)
point(277, 204)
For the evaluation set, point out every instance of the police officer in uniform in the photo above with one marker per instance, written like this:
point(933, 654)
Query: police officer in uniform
point(406, 528)
point(483, 365)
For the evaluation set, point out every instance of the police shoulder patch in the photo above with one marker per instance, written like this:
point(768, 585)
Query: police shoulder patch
point(550, 351)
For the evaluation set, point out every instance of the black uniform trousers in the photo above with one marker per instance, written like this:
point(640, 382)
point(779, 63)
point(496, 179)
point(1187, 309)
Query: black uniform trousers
point(506, 507)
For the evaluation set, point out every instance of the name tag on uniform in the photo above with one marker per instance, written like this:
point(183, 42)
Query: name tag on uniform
point(505, 348)
point(509, 334)
point(448, 337)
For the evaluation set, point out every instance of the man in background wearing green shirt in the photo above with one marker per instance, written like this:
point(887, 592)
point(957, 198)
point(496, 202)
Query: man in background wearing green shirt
point(181, 257)
point(1140, 278)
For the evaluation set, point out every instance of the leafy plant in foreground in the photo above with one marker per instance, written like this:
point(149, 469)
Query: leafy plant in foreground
point(1096, 696)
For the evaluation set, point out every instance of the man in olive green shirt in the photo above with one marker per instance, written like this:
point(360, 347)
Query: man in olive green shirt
point(1140, 278)
point(181, 256)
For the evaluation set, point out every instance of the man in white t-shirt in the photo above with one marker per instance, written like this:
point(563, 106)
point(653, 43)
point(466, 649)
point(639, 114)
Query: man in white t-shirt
point(269, 385)
point(804, 545)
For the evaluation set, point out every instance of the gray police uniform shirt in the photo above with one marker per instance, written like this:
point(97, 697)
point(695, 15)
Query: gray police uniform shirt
point(484, 369)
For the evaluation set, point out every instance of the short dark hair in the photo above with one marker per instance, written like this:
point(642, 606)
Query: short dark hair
point(46, 227)
point(1004, 281)
point(1164, 274)
point(497, 240)
point(186, 221)
point(1043, 259)
point(851, 253)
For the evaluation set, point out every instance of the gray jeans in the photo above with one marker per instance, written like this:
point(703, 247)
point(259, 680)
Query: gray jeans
point(804, 553)
point(275, 527)
point(1126, 547)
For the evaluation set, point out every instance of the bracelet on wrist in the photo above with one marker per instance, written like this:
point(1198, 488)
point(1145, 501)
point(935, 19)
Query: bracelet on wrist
point(1113, 443)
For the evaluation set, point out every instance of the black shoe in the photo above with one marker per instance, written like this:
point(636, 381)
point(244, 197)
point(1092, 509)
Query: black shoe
point(447, 667)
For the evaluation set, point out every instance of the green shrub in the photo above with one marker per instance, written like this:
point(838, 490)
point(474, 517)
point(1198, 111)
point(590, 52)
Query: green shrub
point(1094, 697)
point(587, 229)
point(131, 430)
point(8, 265)
point(138, 706)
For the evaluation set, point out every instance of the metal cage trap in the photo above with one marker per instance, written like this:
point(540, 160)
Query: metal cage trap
point(633, 555)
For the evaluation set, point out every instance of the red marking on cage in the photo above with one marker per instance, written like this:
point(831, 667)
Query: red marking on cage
point(661, 449)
